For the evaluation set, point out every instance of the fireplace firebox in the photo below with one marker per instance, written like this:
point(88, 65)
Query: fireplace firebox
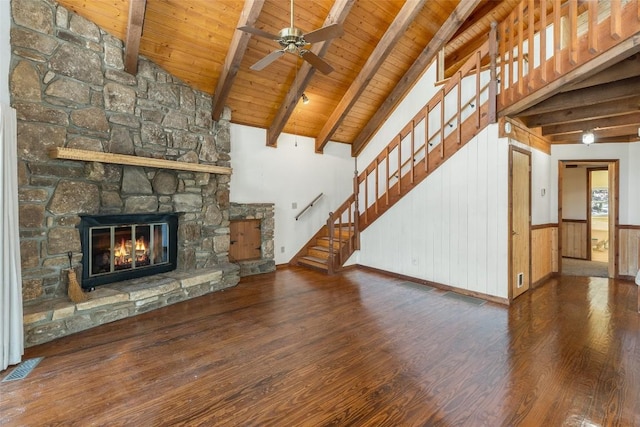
point(121, 247)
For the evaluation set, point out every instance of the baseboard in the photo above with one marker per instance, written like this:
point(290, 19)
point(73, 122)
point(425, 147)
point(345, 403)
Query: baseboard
point(540, 282)
point(441, 286)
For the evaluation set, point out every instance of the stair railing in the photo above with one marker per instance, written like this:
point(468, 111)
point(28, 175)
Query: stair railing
point(309, 206)
point(345, 223)
point(544, 40)
point(458, 111)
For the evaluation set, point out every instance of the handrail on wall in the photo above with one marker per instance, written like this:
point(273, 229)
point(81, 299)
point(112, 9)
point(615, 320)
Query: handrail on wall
point(306, 208)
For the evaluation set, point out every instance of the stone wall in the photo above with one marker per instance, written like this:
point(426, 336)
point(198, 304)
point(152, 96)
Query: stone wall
point(69, 87)
point(265, 213)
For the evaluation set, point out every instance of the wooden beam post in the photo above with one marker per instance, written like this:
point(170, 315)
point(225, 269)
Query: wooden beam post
point(439, 40)
point(134, 34)
point(388, 41)
point(237, 48)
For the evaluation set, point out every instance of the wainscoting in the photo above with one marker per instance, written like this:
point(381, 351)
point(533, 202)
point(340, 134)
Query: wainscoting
point(574, 239)
point(544, 252)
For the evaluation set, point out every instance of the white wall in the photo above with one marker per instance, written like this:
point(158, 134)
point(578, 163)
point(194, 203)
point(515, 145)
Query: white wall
point(452, 228)
point(629, 156)
point(540, 180)
point(289, 174)
point(5, 49)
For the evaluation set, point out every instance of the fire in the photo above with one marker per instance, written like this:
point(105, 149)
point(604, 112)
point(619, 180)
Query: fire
point(124, 254)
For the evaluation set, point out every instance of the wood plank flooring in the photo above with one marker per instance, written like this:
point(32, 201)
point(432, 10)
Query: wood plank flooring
point(299, 348)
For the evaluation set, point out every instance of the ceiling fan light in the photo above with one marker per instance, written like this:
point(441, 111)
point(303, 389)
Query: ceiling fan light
point(305, 98)
point(588, 138)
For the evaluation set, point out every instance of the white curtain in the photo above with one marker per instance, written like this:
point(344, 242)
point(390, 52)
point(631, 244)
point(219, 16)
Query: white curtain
point(11, 332)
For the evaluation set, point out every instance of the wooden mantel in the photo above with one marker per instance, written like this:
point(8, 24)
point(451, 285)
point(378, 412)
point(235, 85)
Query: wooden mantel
point(123, 159)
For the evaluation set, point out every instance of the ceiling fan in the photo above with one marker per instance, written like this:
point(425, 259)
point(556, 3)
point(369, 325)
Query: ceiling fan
point(294, 41)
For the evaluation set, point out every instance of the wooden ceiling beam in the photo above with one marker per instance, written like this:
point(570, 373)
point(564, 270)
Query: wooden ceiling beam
point(134, 34)
point(384, 47)
point(606, 109)
point(337, 15)
point(625, 69)
point(599, 123)
point(448, 28)
point(623, 132)
point(613, 91)
point(235, 53)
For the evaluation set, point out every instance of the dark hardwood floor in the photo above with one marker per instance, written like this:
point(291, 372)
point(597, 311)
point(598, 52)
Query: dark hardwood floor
point(298, 348)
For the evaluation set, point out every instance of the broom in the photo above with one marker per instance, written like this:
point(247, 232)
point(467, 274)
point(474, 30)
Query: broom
point(74, 290)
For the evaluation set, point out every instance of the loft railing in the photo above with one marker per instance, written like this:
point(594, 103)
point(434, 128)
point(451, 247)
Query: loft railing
point(542, 41)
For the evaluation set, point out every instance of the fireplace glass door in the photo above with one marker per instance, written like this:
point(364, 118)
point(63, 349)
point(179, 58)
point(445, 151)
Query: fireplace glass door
point(120, 247)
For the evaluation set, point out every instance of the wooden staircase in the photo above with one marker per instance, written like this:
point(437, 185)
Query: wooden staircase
point(436, 133)
point(317, 254)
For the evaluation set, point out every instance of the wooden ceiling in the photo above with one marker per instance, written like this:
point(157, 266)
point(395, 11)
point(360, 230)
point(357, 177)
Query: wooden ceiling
point(386, 46)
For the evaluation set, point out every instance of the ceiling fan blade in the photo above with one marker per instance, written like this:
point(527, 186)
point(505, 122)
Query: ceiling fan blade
point(267, 60)
point(258, 32)
point(316, 61)
point(324, 33)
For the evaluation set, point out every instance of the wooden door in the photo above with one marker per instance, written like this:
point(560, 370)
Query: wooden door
point(520, 220)
point(246, 240)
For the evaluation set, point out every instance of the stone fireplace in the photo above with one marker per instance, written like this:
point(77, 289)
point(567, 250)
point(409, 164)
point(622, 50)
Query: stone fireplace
point(70, 90)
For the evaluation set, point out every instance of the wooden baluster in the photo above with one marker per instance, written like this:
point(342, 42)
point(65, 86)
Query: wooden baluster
point(512, 61)
point(573, 32)
point(502, 52)
point(543, 40)
point(592, 25)
point(377, 186)
point(442, 124)
point(331, 250)
point(521, 49)
point(399, 164)
point(413, 152)
point(616, 19)
point(557, 33)
point(478, 90)
point(426, 139)
point(387, 191)
point(531, 48)
point(493, 86)
point(366, 197)
point(459, 108)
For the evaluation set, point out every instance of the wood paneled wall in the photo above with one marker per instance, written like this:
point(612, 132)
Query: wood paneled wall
point(629, 250)
point(544, 251)
point(574, 239)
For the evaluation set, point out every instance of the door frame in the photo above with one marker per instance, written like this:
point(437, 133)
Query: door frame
point(589, 194)
point(613, 165)
point(513, 149)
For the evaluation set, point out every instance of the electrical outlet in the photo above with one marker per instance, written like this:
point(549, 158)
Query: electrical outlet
point(282, 249)
point(294, 205)
point(520, 280)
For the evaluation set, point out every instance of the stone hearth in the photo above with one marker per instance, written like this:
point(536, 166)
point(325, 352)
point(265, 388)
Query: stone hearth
point(57, 317)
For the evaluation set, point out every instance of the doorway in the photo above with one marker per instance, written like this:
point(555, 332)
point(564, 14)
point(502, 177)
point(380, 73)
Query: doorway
point(587, 219)
point(520, 222)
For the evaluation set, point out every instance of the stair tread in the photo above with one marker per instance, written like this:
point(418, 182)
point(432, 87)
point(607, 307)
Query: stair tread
point(320, 248)
point(314, 259)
